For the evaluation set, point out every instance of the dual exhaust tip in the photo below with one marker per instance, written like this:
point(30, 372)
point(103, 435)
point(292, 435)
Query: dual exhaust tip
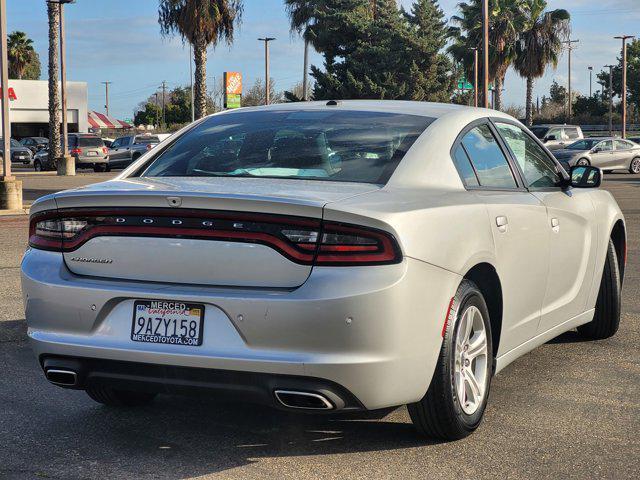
point(287, 398)
point(62, 377)
point(303, 400)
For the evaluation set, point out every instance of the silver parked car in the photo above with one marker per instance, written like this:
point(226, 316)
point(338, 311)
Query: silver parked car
point(556, 137)
point(608, 153)
point(324, 256)
point(125, 150)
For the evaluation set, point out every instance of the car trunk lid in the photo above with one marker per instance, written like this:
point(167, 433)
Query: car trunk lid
point(201, 230)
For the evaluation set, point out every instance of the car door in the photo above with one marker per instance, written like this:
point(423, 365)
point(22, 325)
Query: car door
point(518, 223)
point(117, 154)
point(623, 154)
point(555, 139)
point(570, 228)
point(602, 155)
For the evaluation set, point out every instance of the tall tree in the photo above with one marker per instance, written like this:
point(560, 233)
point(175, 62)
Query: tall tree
point(506, 21)
point(20, 54)
point(633, 77)
point(53, 11)
point(201, 23)
point(539, 45)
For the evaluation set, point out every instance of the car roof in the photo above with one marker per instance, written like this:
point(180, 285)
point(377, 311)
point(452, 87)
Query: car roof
point(555, 125)
point(426, 109)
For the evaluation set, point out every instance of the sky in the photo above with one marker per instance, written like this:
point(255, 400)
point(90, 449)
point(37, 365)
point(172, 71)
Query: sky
point(119, 41)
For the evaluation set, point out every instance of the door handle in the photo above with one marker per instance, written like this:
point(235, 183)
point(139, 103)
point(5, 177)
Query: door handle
point(555, 225)
point(501, 223)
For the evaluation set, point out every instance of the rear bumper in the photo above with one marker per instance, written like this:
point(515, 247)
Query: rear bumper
point(91, 160)
point(375, 332)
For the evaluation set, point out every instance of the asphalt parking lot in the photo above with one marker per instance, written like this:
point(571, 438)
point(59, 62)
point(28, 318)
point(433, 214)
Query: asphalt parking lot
point(569, 409)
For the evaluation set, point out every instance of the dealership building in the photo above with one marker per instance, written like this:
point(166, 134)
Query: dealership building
point(29, 108)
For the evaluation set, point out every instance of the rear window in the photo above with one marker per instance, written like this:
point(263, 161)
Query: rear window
point(90, 142)
point(332, 145)
point(147, 139)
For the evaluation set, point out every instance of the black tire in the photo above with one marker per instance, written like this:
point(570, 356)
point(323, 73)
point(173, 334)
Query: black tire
point(37, 166)
point(583, 162)
point(100, 167)
point(119, 398)
point(439, 413)
point(634, 166)
point(135, 157)
point(606, 318)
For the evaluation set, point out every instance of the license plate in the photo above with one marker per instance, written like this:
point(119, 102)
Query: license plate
point(92, 154)
point(170, 322)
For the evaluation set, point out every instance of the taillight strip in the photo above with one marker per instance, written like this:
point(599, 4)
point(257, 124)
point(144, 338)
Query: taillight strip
point(345, 245)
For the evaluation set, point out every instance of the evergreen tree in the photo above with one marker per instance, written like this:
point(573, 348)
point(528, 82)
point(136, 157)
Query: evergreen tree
point(374, 50)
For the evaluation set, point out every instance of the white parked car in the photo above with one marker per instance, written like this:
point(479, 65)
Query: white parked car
point(324, 256)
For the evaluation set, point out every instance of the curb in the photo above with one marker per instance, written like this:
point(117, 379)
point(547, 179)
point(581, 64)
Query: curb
point(22, 211)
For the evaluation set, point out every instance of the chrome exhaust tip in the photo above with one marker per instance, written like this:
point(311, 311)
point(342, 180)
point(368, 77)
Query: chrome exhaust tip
point(303, 400)
point(63, 378)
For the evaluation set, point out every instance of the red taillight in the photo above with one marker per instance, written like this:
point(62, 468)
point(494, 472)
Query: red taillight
point(105, 150)
point(76, 151)
point(149, 146)
point(302, 240)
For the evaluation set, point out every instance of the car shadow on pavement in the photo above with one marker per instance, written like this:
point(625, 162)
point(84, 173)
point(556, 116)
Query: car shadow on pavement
point(174, 437)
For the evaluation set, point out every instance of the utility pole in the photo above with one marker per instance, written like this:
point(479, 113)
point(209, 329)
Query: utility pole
point(590, 81)
point(106, 96)
point(305, 95)
point(610, 67)
point(164, 88)
point(485, 51)
point(10, 188)
point(266, 41)
point(475, 76)
point(623, 91)
point(569, 44)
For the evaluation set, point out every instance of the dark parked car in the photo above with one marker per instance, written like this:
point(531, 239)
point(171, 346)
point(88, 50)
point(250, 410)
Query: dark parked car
point(88, 150)
point(19, 154)
point(35, 143)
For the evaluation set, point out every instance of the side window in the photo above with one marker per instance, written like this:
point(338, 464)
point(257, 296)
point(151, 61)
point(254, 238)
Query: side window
point(605, 146)
point(571, 133)
point(556, 132)
point(489, 162)
point(72, 141)
point(462, 162)
point(538, 169)
point(116, 143)
point(622, 145)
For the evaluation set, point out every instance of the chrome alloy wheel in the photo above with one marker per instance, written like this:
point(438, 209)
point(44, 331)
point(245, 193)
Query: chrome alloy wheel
point(635, 165)
point(470, 360)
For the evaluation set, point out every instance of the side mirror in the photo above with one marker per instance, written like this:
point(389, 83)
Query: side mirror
point(585, 176)
point(549, 138)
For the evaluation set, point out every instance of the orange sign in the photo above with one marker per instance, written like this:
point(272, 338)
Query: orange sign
point(233, 83)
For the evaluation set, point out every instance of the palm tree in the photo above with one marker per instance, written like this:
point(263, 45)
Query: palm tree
point(540, 44)
point(20, 53)
point(201, 23)
point(505, 22)
point(53, 11)
point(300, 14)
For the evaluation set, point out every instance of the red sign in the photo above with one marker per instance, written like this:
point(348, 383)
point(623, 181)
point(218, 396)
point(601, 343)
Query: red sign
point(12, 93)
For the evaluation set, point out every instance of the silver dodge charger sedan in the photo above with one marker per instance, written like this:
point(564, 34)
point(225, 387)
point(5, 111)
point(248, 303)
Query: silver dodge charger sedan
point(324, 257)
point(608, 153)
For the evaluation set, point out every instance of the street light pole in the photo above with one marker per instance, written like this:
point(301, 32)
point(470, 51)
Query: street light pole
point(623, 91)
point(610, 67)
point(590, 81)
point(305, 95)
point(485, 51)
point(569, 44)
point(106, 96)
point(10, 188)
point(266, 41)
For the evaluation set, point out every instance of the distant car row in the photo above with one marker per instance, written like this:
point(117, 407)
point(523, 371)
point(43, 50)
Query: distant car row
point(90, 151)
